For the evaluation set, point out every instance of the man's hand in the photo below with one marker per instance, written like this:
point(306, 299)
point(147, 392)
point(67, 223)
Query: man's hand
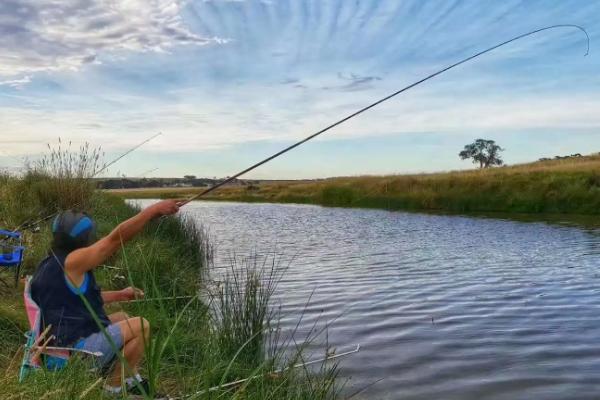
point(131, 293)
point(127, 294)
point(164, 207)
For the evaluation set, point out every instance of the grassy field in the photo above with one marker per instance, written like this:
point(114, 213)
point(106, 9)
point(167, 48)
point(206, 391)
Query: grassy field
point(556, 186)
point(219, 334)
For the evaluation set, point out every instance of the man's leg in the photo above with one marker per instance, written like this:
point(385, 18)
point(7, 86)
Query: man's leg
point(135, 332)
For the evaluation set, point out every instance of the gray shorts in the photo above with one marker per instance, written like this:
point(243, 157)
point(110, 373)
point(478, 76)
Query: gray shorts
point(98, 342)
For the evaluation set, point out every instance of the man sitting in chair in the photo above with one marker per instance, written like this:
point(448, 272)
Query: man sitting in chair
point(67, 273)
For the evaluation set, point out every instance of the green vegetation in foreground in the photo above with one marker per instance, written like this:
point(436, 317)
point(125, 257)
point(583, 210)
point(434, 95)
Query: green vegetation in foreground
point(555, 186)
point(196, 344)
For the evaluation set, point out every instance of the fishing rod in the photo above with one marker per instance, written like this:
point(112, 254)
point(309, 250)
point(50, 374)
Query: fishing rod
point(40, 346)
point(126, 153)
point(362, 110)
point(276, 372)
point(143, 175)
point(96, 173)
point(141, 300)
point(69, 349)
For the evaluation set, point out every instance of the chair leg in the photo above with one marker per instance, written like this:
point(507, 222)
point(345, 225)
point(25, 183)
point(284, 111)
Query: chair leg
point(17, 272)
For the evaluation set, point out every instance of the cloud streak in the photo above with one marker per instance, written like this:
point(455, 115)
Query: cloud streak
point(355, 82)
point(43, 35)
point(16, 83)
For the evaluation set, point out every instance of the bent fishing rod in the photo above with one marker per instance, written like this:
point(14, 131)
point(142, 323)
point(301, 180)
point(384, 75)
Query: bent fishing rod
point(27, 224)
point(372, 105)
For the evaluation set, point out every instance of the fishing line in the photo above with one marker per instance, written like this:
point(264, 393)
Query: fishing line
point(145, 300)
point(362, 110)
point(143, 175)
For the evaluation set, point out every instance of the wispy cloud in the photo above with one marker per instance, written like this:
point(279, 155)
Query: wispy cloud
point(355, 82)
point(43, 35)
point(16, 83)
point(289, 81)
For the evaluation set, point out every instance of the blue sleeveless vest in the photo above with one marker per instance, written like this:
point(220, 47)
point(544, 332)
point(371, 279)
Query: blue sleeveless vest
point(61, 305)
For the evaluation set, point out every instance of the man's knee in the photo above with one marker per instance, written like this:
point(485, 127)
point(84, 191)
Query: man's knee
point(135, 327)
point(142, 327)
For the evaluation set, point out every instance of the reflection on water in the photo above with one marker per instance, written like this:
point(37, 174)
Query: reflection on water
point(444, 307)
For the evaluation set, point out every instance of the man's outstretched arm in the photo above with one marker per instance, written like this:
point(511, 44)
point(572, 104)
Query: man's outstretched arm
point(85, 259)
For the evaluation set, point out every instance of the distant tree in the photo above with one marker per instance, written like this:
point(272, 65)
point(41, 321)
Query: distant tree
point(189, 177)
point(484, 152)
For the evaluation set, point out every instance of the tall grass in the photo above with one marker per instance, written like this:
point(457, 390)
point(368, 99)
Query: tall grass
point(240, 312)
point(62, 178)
point(213, 336)
point(58, 180)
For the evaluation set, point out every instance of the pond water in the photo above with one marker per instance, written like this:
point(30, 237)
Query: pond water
point(444, 307)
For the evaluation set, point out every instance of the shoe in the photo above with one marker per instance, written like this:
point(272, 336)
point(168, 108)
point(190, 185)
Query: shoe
point(134, 391)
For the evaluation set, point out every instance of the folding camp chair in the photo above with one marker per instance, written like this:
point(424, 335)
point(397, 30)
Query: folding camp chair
point(36, 348)
point(11, 252)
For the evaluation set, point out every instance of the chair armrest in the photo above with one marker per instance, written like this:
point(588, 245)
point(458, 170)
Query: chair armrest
point(15, 235)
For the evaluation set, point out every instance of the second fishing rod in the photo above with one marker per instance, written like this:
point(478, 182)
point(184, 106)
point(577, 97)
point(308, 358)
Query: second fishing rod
point(27, 224)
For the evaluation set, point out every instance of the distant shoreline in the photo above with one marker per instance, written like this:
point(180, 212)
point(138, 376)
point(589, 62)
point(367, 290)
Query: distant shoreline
point(566, 186)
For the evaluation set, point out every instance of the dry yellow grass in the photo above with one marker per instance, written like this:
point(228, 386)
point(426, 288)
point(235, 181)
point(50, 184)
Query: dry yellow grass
point(556, 186)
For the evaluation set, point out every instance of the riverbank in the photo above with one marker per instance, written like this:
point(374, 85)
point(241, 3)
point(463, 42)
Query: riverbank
point(216, 335)
point(567, 186)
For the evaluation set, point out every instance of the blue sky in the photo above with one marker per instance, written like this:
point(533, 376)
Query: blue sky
point(230, 81)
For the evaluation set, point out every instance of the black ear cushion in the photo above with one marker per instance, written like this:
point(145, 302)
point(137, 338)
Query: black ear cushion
point(62, 241)
point(91, 236)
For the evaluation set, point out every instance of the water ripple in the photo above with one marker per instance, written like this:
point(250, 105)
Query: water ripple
point(444, 307)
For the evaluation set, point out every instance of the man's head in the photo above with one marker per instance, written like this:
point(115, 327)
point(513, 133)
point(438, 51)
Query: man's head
point(72, 230)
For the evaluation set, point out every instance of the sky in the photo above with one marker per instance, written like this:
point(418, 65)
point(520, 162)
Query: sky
point(229, 82)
